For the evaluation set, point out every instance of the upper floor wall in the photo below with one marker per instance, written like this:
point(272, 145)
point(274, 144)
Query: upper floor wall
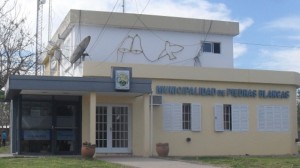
point(141, 39)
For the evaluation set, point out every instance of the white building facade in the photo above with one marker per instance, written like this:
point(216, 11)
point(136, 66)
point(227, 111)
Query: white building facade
point(127, 82)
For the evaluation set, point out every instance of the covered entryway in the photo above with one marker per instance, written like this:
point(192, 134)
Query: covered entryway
point(53, 115)
point(113, 129)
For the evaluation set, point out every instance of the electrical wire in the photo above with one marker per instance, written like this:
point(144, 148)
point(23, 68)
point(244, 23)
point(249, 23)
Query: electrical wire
point(197, 61)
point(130, 29)
point(103, 28)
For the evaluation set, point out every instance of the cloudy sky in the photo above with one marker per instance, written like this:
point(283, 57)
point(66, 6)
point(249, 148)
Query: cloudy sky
point(269, 29)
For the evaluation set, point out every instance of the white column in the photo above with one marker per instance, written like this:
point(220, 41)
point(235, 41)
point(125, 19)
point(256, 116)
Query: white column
point(147, 126)
point(92, 130)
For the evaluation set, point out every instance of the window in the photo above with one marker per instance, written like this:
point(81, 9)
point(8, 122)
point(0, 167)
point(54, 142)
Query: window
point(273, 118)
point(181, 116)
point(231, 117)
point(186, 116)
point(211, 47)
point(227, 117)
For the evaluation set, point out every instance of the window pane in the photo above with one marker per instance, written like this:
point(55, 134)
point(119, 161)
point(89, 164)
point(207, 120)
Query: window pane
point(186, 116)
point(207, 47)
point(227, 117)
point(217, 48)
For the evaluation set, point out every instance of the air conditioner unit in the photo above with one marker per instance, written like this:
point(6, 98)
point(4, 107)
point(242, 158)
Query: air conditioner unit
point(156, 100)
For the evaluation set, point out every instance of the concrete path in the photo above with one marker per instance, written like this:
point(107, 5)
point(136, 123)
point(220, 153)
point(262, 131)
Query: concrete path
point(143, 162)
point(6, 155)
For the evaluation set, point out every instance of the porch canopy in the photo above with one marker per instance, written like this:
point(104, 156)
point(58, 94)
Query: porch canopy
point(58, 85)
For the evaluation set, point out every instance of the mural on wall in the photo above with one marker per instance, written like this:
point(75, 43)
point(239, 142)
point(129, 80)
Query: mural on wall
point(133, 45)
point(170, 50)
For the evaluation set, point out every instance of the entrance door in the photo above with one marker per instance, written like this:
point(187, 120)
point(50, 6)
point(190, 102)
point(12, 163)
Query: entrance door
point(65, 128)
point(50, 125)
point(113, 129)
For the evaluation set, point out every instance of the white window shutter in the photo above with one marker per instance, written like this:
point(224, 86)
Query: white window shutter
point(219, 118)
point(285, 118)
point(269, 124)
point(167, 116)
point(240, 119)
point(244, 117)
point(235, 117)
point(260, 118)
point(196, 117)
point(172, 116)
point(177, 117)
point(277, 118)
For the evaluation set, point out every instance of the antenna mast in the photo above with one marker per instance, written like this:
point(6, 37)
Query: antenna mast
point(123, 6)
point(50, 20)
point(39, 24)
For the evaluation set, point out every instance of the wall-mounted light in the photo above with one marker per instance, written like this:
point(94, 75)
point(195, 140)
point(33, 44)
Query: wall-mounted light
point(188, 139)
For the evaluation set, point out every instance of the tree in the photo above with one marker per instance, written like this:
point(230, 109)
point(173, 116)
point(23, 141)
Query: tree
point(16, 45)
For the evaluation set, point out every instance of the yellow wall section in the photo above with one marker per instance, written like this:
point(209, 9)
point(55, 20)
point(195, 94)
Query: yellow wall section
point(207, 141)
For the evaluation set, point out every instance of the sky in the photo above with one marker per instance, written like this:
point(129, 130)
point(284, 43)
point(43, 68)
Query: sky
point(269, 36)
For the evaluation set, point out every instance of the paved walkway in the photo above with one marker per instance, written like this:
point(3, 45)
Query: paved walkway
point(6, 155)
point(143, 162)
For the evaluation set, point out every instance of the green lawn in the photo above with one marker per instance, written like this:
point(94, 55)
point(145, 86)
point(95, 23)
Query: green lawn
point(250, 161)
point(53, 162)
point(4, 149)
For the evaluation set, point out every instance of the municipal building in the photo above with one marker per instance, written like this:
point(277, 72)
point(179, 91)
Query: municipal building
point(126, 82)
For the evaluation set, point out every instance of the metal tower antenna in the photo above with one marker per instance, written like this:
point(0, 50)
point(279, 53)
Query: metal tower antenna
point(50, 20)
point(123, 6)
point(39, 24)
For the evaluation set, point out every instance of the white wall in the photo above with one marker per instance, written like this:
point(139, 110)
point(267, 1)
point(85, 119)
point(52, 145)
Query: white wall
point(106, 45)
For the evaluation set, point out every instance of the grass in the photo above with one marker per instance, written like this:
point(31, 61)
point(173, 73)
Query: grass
point(229, 161)
point(54, 162)
point(51, 162)
point(4, 149)
point(250, 161)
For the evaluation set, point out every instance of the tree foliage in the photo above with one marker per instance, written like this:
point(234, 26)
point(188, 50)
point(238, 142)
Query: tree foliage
point(16, 43)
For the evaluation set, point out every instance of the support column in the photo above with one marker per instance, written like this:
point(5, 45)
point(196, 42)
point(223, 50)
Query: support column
point(147, 127)
point(92, 117)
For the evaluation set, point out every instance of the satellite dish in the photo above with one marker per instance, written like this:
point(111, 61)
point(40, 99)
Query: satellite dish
point(78, 52)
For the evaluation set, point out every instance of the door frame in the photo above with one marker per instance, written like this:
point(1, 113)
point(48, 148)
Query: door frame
point(110, 149)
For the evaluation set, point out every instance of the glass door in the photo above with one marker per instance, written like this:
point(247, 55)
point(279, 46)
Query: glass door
point(36, 126)
point(113, 129)
point(66, 128)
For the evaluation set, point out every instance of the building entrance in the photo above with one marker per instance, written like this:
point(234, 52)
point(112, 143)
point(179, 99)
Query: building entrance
point(113, 129)
point(50, 126)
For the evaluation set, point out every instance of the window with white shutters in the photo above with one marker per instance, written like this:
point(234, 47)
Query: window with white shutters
point(179, 117)
point(231, 117)
point(272, 118)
